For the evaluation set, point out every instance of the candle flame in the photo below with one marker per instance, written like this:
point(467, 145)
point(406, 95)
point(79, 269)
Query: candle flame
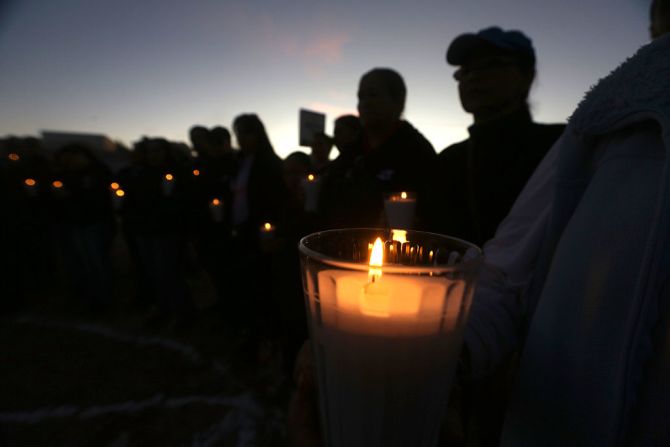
point(376, 260)
point(403, 195)
point(57, 184)
point(267, 226)
point(13, 156)
point(399, 236)
point(196, 172)
point(30, 182)
point(311, 177)
point(169, 177)
point(216, 202)
point(120, 193)
point(114, 186)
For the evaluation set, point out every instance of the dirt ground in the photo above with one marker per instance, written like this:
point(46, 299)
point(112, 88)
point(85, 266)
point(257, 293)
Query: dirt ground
point(72, 378)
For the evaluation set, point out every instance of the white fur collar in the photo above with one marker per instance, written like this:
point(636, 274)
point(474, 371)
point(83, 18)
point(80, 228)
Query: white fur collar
point(640, 84)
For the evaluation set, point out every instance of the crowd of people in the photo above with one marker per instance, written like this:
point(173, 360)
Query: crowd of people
point(243, 210)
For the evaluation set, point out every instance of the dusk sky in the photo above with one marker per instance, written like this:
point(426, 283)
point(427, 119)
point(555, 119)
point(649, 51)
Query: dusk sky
point(128, 68)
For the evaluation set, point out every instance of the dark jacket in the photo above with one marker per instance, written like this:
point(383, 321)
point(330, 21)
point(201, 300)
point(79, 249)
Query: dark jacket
point(354, 189)
point(479, 179)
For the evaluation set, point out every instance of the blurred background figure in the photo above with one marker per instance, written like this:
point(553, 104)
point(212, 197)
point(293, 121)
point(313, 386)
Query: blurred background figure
point(258, 197)
point(155, 213)
point(86, 226)
point(393, 157)
point(212, 172)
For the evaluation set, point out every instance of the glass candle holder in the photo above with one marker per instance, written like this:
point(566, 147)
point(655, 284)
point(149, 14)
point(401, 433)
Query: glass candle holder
point(386, 334)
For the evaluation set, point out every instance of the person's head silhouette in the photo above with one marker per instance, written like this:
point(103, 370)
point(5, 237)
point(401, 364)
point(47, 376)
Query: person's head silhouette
point(381, 99)
point(660, 18)
point(251, 135)
point(496, 71)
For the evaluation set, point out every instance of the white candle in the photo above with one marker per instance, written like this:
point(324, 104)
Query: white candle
point(216, 210)
point(168, 184)
point(387, 345)
point(399, 210)
point(311, 187)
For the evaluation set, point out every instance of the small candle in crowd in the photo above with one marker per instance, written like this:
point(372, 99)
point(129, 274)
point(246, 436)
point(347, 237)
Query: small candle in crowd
point(168, 184)
point(267, 230)
point(399, 210)
point(216, 210)
point(13, 157)
point(311, 186)
point(196, 172)
point(30, 186)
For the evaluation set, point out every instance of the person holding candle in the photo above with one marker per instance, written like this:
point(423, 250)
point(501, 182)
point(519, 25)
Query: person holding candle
point(158, 223)
point(211, 175)
point(393, 155)
point(577, 273)
point(258, 196)
point(86, 225)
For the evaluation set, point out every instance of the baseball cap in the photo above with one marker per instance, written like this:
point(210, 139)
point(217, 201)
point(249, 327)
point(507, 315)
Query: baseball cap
point(514, 42)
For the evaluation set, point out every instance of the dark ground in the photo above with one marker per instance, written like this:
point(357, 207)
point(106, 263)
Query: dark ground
point(72, 378)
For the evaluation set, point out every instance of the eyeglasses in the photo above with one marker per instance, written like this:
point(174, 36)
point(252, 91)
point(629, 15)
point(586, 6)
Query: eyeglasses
point(481, 66)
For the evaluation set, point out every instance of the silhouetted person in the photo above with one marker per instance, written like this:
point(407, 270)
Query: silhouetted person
point(393, 157)
point(479, 178)
point(258, 198)
point(212, 173)
point(26, 258)
point(156, 213)
point(86, 226)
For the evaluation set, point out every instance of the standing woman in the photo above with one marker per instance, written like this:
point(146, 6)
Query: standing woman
point(258, 197)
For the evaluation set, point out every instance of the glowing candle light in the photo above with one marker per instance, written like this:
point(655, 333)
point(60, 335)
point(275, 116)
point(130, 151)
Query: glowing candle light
point(114, 186)
point(386, 338)
point(13, 157)
point(30, 187)
point(57, 184)
point(196, 172)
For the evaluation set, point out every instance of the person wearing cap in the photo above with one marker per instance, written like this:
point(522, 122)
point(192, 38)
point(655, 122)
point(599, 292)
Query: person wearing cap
point(479, 178)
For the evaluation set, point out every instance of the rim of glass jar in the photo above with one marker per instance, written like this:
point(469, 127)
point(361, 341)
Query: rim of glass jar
point(391, 268)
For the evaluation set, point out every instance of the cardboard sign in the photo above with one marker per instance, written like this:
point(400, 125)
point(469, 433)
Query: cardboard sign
point(310, 123)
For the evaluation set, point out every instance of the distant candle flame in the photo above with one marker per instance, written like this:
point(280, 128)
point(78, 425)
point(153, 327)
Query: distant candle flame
point(399, 236)
point(216, 202)
point(57, 184)
point(30, 182)
point(311, 177)
point(403, 195)
point(267, 226)
point(196, 172)
point(14, 157)
point(169, 177)
point(120, 193)
point(114, 186)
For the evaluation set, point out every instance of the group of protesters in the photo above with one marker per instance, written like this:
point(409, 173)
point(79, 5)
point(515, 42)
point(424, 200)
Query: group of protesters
point(243, 210)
